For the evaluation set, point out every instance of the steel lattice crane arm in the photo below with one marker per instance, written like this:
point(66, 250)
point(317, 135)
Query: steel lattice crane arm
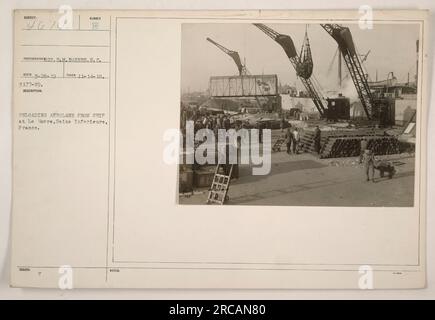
point(286, 42)
point(343, 37)
point(234, 55)
point(267, 30)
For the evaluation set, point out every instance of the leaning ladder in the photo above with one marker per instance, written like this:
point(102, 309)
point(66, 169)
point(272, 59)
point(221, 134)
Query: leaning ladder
point(220, 185)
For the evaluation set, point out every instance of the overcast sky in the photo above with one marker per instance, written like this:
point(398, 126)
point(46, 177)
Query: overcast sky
point(393, 48)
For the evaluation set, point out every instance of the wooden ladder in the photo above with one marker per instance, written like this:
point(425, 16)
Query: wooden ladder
point(220, 185)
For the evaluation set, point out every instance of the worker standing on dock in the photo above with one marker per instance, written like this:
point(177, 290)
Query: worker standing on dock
point(227, 123)
point(363, 147)
point(317, 137)
point(296, 138)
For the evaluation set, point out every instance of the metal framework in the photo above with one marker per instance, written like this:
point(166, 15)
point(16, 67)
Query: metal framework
point(343, 37)
point(286, 43)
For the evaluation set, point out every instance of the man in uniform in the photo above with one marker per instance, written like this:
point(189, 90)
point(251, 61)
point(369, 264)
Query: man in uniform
point(289, 139)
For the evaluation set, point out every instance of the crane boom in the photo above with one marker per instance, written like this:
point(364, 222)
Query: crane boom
point(233, 54)
point(343, 37)
point(286, 42)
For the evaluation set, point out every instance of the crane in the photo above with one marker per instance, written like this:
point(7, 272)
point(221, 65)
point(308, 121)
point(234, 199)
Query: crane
point(234, 55)
point(343, 37)
point(302, 70)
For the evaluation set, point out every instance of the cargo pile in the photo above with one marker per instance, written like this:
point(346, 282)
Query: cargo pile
point(350, 146)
